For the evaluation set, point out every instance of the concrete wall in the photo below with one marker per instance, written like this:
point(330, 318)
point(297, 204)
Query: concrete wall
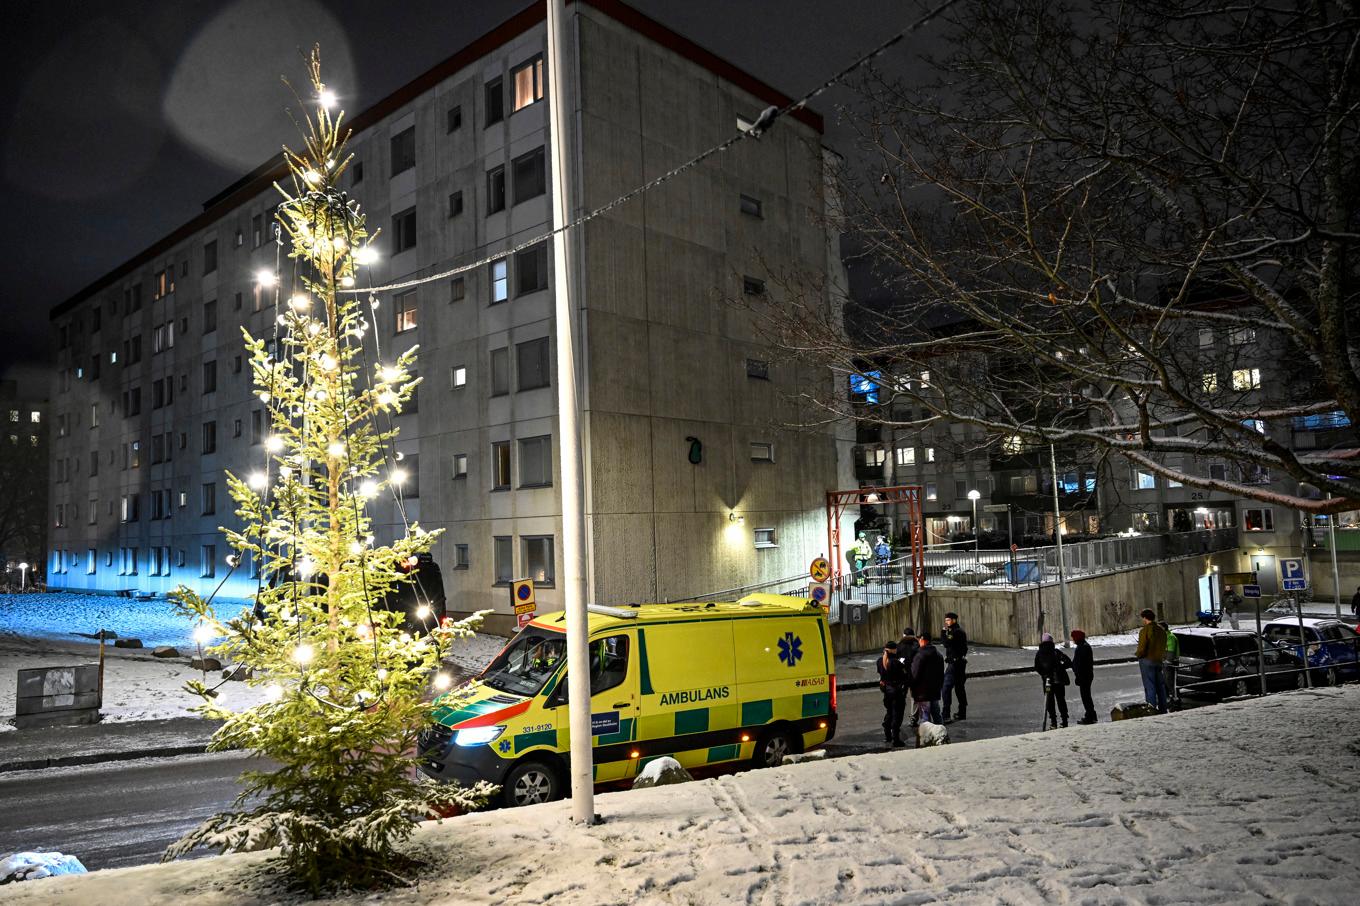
point(1320, 574)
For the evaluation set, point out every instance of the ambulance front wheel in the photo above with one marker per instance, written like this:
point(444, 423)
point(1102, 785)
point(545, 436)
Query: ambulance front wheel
point(531, 782)
point(773, 746)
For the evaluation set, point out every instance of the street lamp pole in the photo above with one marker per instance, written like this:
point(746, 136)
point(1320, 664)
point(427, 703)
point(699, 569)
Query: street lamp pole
point(1057, 535)
point(973, 495)
point(23, 574)
point(1331, 544)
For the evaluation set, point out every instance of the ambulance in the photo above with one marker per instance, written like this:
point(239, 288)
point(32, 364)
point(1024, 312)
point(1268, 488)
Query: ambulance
point(713, 685)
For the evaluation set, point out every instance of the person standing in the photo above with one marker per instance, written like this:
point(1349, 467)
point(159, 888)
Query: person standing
point(927, 677)
point(1171, 660)
point(1083, 674)
point(1355, 603)
point(1052, 665)
point(893, 681)
point(955, 642)
point(1150, 653)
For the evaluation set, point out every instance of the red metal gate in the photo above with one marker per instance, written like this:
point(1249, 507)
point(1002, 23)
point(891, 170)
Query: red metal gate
point(837, 502)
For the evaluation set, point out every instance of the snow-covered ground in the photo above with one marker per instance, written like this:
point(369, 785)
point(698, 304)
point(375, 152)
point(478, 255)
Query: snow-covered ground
point(40, 630)
point(1241, 803)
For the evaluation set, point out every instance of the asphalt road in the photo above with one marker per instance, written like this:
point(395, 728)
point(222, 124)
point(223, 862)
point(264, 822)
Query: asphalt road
point(126, 813)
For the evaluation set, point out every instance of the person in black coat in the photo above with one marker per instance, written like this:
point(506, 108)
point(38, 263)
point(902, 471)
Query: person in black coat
point(927, 678)
point(955, 642)
point(1052, 666)
point(1083, 674)
point(893, 681)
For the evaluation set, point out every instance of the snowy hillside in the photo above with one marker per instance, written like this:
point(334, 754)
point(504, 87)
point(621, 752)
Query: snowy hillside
point(1248, 802)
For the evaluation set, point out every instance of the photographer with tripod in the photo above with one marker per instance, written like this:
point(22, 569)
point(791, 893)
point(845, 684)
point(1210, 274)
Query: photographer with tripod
point(1052, 666)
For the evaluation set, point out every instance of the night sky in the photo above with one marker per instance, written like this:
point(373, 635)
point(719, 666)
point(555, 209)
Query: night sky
point(118, 120)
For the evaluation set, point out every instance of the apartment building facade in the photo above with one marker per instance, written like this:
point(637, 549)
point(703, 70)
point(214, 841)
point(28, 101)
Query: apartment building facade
point(692, 484)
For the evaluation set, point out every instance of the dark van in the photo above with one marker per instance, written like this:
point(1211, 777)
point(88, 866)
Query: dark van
point(419, 595)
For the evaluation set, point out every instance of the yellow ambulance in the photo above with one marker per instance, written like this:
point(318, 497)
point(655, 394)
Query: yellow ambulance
point(710, 684)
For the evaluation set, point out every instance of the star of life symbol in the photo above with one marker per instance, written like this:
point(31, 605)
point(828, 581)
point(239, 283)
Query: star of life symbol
point(504, 745)
point(790, 649)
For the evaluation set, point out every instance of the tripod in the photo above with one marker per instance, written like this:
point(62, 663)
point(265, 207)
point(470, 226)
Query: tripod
point(1048, 704)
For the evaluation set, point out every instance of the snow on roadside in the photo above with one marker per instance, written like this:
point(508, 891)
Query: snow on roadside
point(1137, 811)
point(60, 616)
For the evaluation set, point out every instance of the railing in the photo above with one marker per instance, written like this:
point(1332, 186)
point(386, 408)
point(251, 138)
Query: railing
point(877, 584)
point(1039, 565)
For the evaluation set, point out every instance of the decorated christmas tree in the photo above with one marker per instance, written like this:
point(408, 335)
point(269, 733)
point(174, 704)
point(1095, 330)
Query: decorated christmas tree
point(346, 681)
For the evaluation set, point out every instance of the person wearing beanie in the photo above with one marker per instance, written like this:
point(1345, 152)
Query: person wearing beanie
point(1083, 674)
point(893, 682)
point(1052, 665)
point(927, 677)
point(955, 642)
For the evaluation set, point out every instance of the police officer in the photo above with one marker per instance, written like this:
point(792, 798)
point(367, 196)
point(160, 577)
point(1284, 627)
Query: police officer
point(893, 681)
point(955, 642)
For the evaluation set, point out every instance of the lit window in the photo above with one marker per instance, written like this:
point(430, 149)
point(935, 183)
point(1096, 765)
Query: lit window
point(1255, 424)
point(404, 309)
point(1262, 520)
point(1246, 379)
point(906, 456)
point(1210, 381)
point(930, 454)
point(1012, 444)
point(460, 465)
point(1241, 336)
point(931, 493)
point(34, 417)
point(458, 376)
point(1144, 480)
point(528, 82)
point(500, 281)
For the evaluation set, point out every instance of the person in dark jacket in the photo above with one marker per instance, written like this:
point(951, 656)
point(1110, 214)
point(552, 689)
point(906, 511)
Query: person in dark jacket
point(1052, 666)
point(907, 647)
point(893, 681)
point(955, 642)
point(927, 678)
point(1083, 674)
point(1355, 603)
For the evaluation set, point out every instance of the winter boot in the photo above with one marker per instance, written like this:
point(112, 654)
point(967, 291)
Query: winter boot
point(898, 742)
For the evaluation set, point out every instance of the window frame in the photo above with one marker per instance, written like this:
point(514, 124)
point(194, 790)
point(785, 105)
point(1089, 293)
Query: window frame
point(404, 228)
point(545, 371)
point(549, 572)
point(543, 444)
point(534, 67)
point(502, 466)
point(402, 147)
point(528, 181)
point(405, 312)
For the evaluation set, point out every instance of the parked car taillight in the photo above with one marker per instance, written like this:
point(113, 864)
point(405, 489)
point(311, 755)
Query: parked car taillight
point(1214, 667)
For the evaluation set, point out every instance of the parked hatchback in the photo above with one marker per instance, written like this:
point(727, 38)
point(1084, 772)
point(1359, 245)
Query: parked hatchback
point(1333, 647)
point(1224, 662)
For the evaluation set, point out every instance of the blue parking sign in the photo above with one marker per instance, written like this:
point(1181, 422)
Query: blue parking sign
point(1292, 575)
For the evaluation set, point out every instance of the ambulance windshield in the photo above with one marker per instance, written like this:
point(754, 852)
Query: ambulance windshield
point(527, 662)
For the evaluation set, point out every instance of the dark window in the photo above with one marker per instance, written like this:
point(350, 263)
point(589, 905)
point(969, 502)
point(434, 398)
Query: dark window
point(752, 286)
point(135, 298)
point(209, 437)
point(531, 364)
point(500, 371)
point(210, 316)
point(210, 377)
point(455, 204)
point(209, 498)
point(527, 80)
point(495, 190)
point(404, 150)
point(404, 309)
point(94, 367)
point(755, 368)
point(410, 467)
point(531, 269)
point(356, 170)
point(457, 289)
point(460, 465)
point(535, 462)
point(257, 231)
point(460, 556)
point(504, 558)
point(500, 463)
point(257, 426)
point(530, 175)
point(751, 206)
point(236, 427)
point(404, 231)
point(96, 319)
point(495, 102)
point(455, 118)
point(237, 303)
point(210, 257)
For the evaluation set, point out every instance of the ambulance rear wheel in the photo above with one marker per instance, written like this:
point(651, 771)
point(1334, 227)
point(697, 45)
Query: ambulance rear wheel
point(772, 748)
point(531, 782)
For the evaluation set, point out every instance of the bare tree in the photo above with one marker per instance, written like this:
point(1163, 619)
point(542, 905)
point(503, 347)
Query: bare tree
point(23, 497)
point(1125, 227)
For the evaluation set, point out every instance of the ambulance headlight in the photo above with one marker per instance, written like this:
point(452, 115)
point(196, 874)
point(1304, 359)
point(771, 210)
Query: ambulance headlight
point(477, 736)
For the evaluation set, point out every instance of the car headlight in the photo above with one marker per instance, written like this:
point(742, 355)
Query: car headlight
point(477, 736)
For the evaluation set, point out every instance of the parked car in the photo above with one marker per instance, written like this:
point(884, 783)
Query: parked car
point(424, 588)
point(1333, 646)
point(1223, 662)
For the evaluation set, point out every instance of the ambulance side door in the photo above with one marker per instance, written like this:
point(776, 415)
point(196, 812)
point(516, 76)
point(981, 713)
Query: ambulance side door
point(613, 704)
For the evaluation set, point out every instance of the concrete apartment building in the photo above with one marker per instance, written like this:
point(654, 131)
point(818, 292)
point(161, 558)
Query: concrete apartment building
point(23, 456)
point(153, 402)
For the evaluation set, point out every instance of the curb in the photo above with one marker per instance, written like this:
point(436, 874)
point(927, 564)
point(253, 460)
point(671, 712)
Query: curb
point(61, 761)
point(1000, 671)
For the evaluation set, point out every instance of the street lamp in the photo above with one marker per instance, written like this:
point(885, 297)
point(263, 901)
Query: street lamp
point(973, 495)
point(23, 575)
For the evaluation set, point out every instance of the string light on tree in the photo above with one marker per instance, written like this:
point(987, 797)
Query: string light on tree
point(317, 638)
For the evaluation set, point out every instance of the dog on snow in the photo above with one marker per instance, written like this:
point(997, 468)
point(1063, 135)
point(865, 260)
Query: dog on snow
point(929, 734)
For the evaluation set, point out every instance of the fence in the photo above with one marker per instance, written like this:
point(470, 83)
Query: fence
point(877, 584)
point(1039, 565)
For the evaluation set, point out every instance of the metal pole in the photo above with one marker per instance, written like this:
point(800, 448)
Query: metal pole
point(569, 431)
point(1260, 649)
point(1303, 642)
point(1331, 543)
point(977, 552)
point(1057, 533)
